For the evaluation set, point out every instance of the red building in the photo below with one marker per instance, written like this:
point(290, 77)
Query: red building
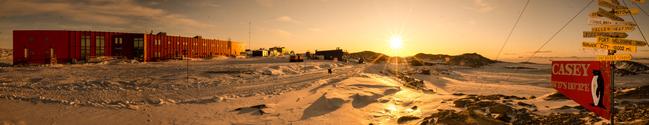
point(62, 46)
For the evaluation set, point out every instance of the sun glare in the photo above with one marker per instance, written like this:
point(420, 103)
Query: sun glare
point(396, 42)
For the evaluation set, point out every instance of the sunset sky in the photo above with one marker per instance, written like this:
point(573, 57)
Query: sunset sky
point(427, 26)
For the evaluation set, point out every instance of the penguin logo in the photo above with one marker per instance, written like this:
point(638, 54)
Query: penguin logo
point(597, 89)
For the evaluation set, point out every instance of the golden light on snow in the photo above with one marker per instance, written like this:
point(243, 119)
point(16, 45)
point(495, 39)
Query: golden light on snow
point(396, 42)
point(391, 108)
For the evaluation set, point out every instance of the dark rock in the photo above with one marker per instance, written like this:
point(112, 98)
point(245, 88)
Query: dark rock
point(405, 119)
point(461, 103)
point(255, 109)
point(526, 105)
point(504, 118)
point(556, 96)
point(639, 93)
point(458, 94)
point(631, 66)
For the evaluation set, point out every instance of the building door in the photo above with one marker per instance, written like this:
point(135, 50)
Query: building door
point(138, 48)
point(118, 48)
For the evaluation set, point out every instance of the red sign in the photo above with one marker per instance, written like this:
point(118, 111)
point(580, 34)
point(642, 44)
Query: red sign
point(586, 82)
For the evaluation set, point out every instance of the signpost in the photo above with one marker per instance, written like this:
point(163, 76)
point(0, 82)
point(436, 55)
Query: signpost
point(613, 28)
point(625, 12)
point(621, 41)
point(615, 47)
point(591, 83)
point(590, 34)
point(604, 13)
point(609, 22)
point(620, 57)
point(586, 82)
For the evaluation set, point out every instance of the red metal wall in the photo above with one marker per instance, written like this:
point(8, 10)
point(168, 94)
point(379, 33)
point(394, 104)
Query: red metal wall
point(67, 46)
point(160, 47)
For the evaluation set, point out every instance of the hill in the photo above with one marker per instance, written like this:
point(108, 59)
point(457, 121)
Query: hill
point(369, 56)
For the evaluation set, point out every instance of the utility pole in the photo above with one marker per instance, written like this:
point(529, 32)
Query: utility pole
point(612, 110)
point(250, 35)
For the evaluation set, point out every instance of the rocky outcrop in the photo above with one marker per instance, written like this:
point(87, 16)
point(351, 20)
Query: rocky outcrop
point(624, 68)
point(470, 59)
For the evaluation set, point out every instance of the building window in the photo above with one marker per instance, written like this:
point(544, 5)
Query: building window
point(118, 41)
point(138, 43)
point(99, 43)
point(85, 46)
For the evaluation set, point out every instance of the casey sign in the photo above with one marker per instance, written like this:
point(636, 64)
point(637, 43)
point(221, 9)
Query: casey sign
point(585, 82)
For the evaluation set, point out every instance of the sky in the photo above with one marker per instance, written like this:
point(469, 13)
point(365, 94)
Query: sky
point(425, 26)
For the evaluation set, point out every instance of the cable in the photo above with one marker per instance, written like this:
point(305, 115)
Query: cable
point(512, 30)
point(561, 29)
point(638, 5)
point(554, 35)
point(636, 23)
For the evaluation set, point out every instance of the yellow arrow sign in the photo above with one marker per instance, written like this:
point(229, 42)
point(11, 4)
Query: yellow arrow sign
point(603, 13)
point(610, 5)
point(590, 34)
point(610, 23)
point(613, 28)
point(621, 41)
point(624, 12)
point(614, 57)
point(610, 46)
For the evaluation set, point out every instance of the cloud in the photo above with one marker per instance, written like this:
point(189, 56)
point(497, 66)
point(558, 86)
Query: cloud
point(282, 33)
point(482, 6)
point(118, 12)
point(287, 19)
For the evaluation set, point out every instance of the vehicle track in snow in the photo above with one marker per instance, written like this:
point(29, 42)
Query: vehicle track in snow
point(123, 95)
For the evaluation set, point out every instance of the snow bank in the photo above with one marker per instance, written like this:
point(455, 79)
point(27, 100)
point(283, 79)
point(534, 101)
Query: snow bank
point(271, 71)
point(329, 65)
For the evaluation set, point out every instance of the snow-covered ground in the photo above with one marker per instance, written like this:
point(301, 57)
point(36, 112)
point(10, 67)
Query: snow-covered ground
point(274, 91)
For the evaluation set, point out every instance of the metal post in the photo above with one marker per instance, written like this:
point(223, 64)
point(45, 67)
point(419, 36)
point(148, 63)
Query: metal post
point(612, 107)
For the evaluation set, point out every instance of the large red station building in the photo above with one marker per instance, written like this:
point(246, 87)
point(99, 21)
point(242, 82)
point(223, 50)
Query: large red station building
point(62, 46)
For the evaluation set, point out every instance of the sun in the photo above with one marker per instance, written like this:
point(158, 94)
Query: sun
point(396, 42)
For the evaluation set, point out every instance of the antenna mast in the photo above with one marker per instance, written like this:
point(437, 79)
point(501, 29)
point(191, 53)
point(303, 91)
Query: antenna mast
point(249, 35)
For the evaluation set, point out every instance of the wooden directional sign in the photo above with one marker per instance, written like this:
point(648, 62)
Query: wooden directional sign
point(610, 5)
point(610, 46)
point(613, 28)
point(625, 12)
point(620, 41)
point(610, 23)
point(619, 57)
point(603, 13)
point(590, 34)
